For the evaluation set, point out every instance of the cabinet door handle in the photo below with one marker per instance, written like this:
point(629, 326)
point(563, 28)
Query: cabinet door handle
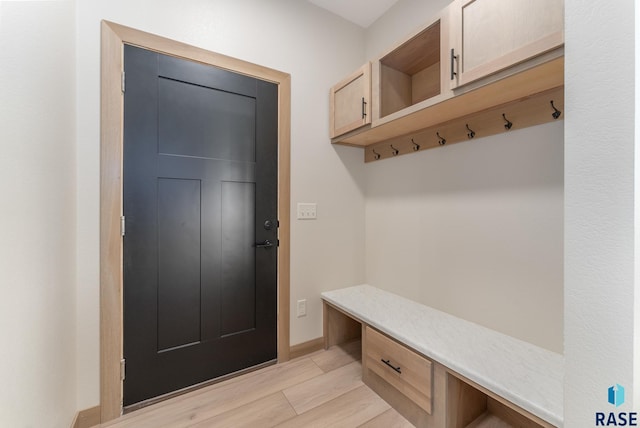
point(364, 108)
point(388, 362)
point(453, 58)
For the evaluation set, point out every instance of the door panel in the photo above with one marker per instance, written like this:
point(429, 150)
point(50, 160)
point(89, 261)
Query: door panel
point(237, 312)
point(193, 117)
point(200, 180)
point(178, 262)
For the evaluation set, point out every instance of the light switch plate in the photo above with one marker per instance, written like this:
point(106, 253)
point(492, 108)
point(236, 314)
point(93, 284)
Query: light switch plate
point(307, 211)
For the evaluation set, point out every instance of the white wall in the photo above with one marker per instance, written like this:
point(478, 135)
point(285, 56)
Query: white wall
point(317, 49)
point(599, 210)
point(37, 238)
point(474, 229)
point(402, 19)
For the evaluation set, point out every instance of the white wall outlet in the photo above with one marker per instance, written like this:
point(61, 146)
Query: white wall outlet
point(302, 308)
point(307, 211)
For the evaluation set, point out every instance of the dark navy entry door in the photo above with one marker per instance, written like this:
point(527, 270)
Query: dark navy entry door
point(200, 207)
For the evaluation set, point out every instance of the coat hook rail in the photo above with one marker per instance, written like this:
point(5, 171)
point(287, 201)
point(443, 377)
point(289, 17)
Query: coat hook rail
point(535, 110)
point(471, 133)
point(556, 113)
point(508, 124)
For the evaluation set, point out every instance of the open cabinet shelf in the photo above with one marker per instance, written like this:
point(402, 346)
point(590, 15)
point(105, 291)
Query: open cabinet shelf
point(411, 73)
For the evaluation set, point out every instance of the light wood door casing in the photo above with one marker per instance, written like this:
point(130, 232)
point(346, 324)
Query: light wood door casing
point(491, 35)
point(351, 102)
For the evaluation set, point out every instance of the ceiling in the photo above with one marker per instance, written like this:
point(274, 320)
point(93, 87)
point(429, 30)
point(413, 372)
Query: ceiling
point(360, 12)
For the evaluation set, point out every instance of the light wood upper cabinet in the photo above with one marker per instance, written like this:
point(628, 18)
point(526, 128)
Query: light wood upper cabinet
point(491, 35)
point(350, 102)
point(477, 68)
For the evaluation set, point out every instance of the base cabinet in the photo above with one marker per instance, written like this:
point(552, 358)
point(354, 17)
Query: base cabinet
point(425, 392)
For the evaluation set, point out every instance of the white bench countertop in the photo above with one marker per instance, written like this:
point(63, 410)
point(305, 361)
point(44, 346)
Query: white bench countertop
point(522, 373)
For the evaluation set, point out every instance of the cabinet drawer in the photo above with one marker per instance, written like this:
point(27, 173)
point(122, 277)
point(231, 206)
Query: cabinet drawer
point(401, 367)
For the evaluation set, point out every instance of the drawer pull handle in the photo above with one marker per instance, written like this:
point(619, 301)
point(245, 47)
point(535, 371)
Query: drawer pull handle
point(388, 362)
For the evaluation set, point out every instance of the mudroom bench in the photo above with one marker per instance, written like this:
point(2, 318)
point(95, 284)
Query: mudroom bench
point(440, 371)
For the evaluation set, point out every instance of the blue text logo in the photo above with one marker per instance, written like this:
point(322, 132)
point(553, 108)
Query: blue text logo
point(615, 397)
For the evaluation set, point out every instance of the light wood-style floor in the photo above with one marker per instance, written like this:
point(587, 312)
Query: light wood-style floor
point(323, 389)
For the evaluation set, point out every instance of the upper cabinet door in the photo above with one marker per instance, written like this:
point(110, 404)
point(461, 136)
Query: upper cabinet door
point(351, 102)
point(491, 35)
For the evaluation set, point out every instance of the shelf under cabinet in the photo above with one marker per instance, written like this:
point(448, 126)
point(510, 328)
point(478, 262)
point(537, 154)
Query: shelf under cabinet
point(528, 83)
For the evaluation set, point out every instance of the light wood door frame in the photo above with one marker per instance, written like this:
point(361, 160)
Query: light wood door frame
point(114, 37)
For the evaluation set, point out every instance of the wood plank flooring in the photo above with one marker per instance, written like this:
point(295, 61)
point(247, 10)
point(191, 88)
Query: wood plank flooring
point(323, 389)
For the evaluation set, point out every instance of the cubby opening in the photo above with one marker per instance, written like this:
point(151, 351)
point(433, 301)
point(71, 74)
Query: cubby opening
point(468, 407)
point(411, 73)
point(339, 328)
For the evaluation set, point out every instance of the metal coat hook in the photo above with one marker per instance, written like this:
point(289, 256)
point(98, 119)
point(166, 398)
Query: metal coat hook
point(416, 146)
point(376, 155)
point(556, 113)
point(441, 140)
point(471, 133)
point(508, 123)
point(394, 150)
